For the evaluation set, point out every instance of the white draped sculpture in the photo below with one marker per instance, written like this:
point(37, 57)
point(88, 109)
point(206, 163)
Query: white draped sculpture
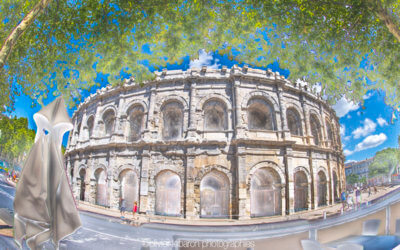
point(44, 206)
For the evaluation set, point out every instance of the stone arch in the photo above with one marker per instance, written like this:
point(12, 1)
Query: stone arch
point(133, 103)
point(128, 181)
point(294, 121)
point(89, 126)
point(302, 184)
point(82, 173)
point(262, 95)
point(100, 175)
point(215, 190)
point(205, 170)
point(173, 120)
point(266, 164)
point(215, 115)
point(322, 187)
point(329, 131)
point(171, 98)
point(316, 129)
point(260, 114)
point(214, 96)
point(108, 120)
point(335, 185)
point(168, 193)
point(136, 118)
point(265, 192)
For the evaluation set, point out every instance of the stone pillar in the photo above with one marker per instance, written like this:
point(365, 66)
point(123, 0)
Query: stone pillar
point(288, 198)
point(97, 117)
point(192, 134)
point(306, 115)
point(311, 205)
point(92, 191)
point(244, 204)
point(331, 199)
point(144, 183)
point(237, 123)
point(115, 193)
point(282, 110)
point(149, 127)
point(190, 206)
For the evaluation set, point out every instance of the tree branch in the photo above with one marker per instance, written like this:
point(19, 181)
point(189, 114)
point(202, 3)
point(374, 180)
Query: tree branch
point(18, 30)
point(388, 19)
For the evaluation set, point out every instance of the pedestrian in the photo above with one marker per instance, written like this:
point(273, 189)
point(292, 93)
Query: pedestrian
point(350, 201)
point(122, 207)
point(343, 198)
point(375, 191)
point(358, 197)
point(369, 191)
point(134, 210)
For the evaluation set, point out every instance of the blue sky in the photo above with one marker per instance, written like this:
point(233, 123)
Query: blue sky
point(364, 131)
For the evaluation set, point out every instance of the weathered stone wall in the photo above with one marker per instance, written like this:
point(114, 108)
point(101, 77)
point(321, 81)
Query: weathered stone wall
point(193, 141)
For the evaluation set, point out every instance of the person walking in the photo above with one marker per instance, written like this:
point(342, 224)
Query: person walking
point(122, 207)
point(349, 201)
point(358, 197)
point(134, 209)
point(343, 198)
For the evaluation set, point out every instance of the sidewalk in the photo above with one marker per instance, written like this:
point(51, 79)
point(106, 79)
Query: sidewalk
point(306, 215)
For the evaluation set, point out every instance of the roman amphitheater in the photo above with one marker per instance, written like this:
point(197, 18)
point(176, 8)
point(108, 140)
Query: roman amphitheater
point(235, 143)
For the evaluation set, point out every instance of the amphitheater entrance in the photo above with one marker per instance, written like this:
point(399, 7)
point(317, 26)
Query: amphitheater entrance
point(101, 187)
point(82, 175)
point(322, 190)
point(129, 188)
point(300, 191)
point(168, 194)
point(214, 195)
point(265, 193)
point(335, 187)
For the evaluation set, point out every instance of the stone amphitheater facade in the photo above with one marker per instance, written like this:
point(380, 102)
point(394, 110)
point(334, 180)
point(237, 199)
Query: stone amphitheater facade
point(235, 143)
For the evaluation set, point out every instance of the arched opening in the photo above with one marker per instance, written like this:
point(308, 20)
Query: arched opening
point(329, 131)
point(101, 187)
point(335, 187)
point(265, 193)
point(293, 122)
point(300, 191)
point(260, 115)
point(78, 130)
point(215, 116)
point(168, 194)
point(214, 195)
point(129, 188)
point(109, 120)
point(172, 121)
point(82, 176)
point(315, 130)
point(90, 123)
point(321, 187)
point(136, 118)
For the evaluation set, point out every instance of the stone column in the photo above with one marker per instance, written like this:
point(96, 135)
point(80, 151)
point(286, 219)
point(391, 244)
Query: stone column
point(307, 128)
point(149, 127)
point(237, 124)
point(192, 134)
point(288, 199)
point(190, 206)
point(113, 197)
point(311, 205)
point(331, 199)
point(244, 204)
point(282, 110)
point(97, 117)
point(144, 183)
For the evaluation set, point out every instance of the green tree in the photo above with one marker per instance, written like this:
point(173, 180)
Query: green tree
point(384, 163)
point(352, 179)
point(16, 139)
point(347, 46)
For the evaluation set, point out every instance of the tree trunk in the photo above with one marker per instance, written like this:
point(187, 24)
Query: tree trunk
point(11, 40)
point(387, 18)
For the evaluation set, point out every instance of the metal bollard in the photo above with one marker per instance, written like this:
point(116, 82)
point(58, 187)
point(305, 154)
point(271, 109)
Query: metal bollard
point(324, 215)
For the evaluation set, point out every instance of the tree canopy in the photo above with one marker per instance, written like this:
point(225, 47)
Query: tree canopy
point(385, 162)
point(347, 46)
point(15, 139)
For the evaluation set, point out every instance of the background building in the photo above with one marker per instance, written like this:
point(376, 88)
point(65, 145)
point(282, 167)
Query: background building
point(228, 143)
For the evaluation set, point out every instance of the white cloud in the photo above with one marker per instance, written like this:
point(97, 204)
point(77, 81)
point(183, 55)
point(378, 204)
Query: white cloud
point(371, 142)
point(349, 161)
point(342, 107)
point(347, 152)
point(367, 96)
point(358, 113)
point(368, 127)
point(346, 138)
point(342, 130)
point(348, 116)
point(205, 59)
point(382, 122)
